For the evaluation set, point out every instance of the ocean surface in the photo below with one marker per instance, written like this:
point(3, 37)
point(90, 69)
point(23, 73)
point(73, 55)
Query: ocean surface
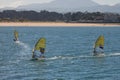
point(68, 54)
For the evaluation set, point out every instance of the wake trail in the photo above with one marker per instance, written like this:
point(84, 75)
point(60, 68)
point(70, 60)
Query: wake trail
point(114, 54)
point(67, 57)
point(81, 56)
point(26, 50)
point(25, 46)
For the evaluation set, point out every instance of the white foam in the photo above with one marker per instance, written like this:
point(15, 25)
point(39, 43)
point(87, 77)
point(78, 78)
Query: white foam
point(26, 51)
point(22, 44)
point(17, 42)
point(81, 56)
point(115, 54)
point(54, 58)
point(66, 57)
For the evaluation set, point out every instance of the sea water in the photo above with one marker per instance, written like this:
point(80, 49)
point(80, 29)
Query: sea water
point(68, 54)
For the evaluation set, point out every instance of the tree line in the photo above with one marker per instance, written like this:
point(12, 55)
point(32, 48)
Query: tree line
point(21, 16)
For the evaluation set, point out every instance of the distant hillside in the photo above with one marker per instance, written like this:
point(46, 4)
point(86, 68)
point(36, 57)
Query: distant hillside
point(61, 6)
point(70, 6)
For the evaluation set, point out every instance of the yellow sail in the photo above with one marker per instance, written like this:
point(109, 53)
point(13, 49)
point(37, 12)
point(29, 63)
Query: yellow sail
point(99, 42)
point(16, 34)
point(40, 44)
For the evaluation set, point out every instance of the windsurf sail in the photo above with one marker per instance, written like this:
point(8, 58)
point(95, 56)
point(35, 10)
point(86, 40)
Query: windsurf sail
point(16, 35)
point(40, 45)
point(99, 43)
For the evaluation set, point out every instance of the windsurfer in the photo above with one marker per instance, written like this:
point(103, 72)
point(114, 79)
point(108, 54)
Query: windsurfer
point(40, 55)
point(98, 51)
point(15, 35)
point(15, 39)
point(99, 46)
point(101, 49)
point(42, 50)
point(39, 49)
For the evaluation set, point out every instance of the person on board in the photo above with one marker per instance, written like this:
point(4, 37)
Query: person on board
point(40, 55)
point(42, 50)
point(98, 50)
point(101, 49)
point(15, 39)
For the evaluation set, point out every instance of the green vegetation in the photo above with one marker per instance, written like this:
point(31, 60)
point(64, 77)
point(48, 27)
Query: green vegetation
point(46, 16)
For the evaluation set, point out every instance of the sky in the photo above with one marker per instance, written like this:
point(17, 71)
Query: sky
point(107, 2)
point(15, 3)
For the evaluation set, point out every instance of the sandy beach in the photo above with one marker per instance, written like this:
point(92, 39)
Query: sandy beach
point(56, 24)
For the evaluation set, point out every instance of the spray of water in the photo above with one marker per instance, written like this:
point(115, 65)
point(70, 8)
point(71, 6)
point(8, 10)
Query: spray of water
point(26, 51)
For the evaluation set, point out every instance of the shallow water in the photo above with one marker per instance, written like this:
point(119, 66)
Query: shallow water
point(68, 54)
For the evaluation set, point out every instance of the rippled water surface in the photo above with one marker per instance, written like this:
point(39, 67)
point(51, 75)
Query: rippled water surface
point(68, 54)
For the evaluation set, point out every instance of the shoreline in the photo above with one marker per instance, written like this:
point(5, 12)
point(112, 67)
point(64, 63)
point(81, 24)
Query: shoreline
point(56, 24)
